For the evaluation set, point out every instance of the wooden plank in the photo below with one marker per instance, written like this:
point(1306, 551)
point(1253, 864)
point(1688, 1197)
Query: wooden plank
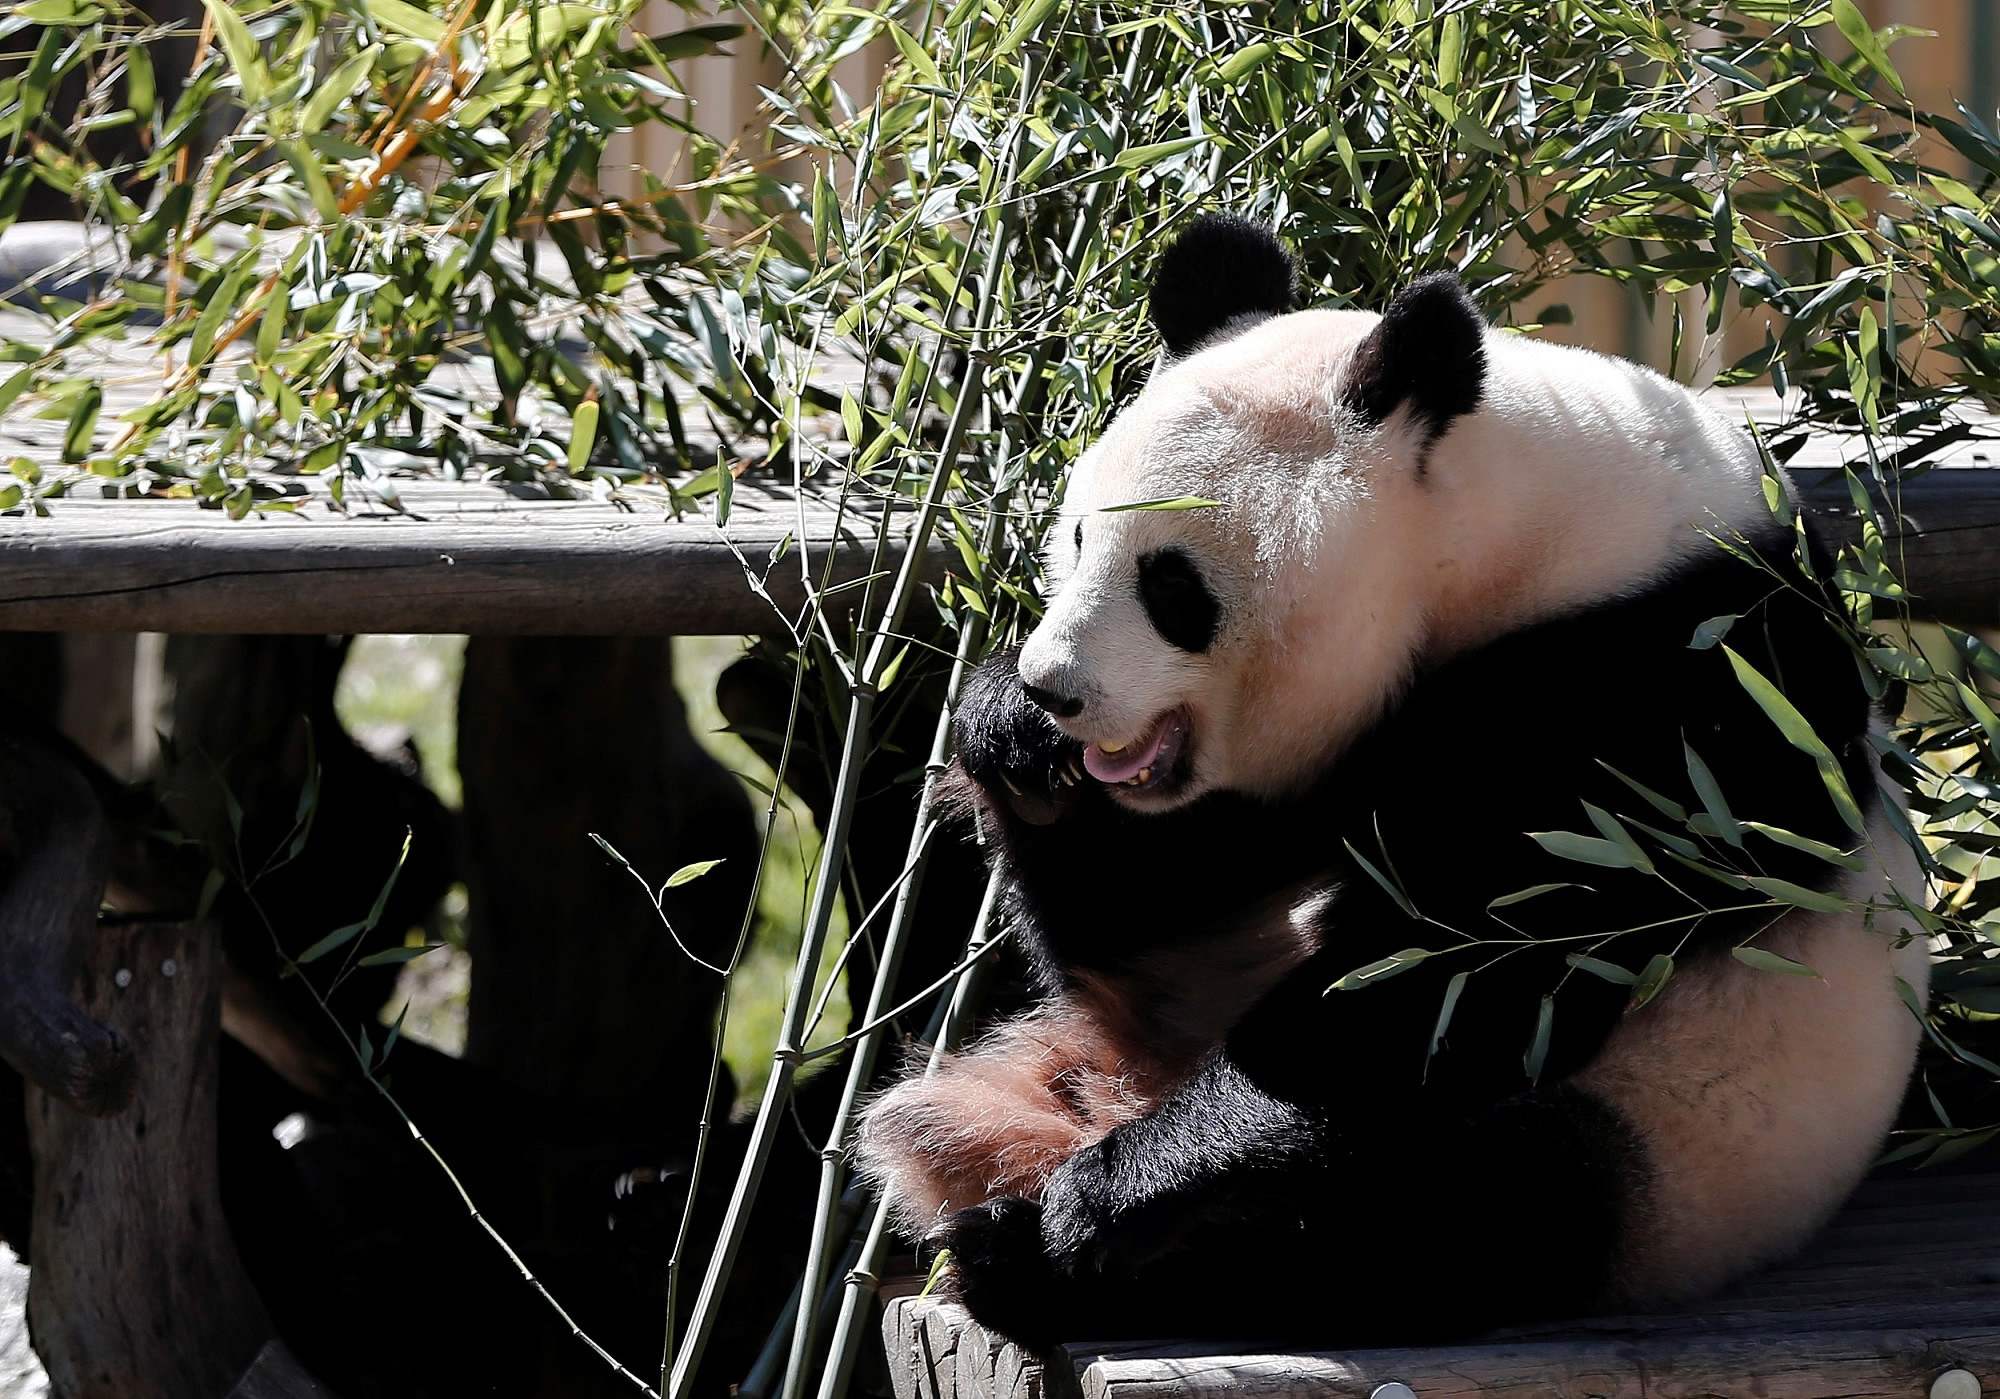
point(1862, 1364)
point(1903, 1285)
point(490, 557)
point(458, 557)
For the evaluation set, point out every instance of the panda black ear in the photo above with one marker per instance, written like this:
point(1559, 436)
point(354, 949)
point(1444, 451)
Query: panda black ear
point(1222, 267)
point(1428, 350)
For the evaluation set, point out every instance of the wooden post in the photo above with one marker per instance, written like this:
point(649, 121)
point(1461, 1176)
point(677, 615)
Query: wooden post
point(134, 1285)
point(51, 825)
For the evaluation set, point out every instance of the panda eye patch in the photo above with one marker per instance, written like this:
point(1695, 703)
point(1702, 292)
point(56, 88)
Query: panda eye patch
point(1177, 600)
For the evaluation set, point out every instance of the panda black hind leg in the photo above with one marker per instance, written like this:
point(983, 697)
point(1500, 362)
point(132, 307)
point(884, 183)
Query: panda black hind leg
point(1228, 1212)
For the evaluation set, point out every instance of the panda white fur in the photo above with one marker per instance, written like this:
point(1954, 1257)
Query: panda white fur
point(1446, 599)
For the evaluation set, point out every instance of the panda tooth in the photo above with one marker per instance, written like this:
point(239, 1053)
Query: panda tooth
point(1145, 776)
point(1112, 747)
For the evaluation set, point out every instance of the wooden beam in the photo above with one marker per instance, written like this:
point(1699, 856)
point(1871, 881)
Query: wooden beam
point(1899, 1290)
point(458, 557)
point(487, 557)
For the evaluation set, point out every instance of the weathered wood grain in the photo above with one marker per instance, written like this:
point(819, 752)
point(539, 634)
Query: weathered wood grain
point(1904, 1285)
point(134, 1284)
point(1861, 1364)
point(470, 557)
point(53, 837)
point(487, 557)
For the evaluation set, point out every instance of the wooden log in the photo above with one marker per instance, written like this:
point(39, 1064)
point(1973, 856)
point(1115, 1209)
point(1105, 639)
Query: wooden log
point(134, 1283)
point(48, 908)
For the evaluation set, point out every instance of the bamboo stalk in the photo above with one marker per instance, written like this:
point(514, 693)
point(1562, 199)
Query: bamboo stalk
point(858, 1287)
point(861, 1066)
point(863, 693)
point(844, 1347)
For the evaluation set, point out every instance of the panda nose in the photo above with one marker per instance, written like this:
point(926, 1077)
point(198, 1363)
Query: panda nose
point(1062, 706)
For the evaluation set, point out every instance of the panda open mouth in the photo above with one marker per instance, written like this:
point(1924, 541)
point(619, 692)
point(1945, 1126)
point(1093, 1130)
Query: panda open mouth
point(1151, 760)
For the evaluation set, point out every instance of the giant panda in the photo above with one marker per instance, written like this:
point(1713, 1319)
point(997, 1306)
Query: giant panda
point(1333, 1047)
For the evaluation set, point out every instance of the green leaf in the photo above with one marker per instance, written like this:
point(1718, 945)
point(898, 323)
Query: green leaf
point(1796, 894)
point(1388, 885)
point(1819, 849)
point(389, 884)
point(1533, 891)
point(338, 86)
point(687, 874)
point(1609, 971)
point(1451, 49)
point(1712, 803)
point(396, 956)
point(1244, 60)
point(403, 19)
point(333, 941)
point(1652, 980)
point(245, 57)
point(1179, 502)
point(82, 429)
point(1138, 157)
point(16, 385)
point(1024, 28)
point(1799, 733)
point(1382, 970)
point(1610, 828)
point(1538, 1047)
point(1666, 806)
point(916, 55)
point(1453, 989)
point(1588, 850)
point(1765, 961)
point(1713, 630)
point(582, 435)
point(1854, 25)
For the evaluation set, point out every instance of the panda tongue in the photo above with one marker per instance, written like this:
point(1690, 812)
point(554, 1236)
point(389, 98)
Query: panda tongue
point(1128, 762)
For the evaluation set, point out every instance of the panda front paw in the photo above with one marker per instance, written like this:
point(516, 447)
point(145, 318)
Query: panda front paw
point(1001, 1272)
point(1010, 746)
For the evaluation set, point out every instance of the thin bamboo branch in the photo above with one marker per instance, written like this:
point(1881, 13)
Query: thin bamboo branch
point(1028, 389)
point(854, 748)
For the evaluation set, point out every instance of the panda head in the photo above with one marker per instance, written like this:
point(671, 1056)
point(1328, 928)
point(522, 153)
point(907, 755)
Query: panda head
point(1235, 646)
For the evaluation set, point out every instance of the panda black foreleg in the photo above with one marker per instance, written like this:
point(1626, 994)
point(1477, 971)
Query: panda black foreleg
point(1230, 1213)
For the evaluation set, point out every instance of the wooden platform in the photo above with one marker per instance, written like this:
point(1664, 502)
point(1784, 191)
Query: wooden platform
point(418, 554)
point(1902, 1290)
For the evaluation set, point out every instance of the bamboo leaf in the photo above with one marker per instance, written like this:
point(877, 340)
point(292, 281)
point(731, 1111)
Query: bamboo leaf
point(687, 874)
point(1139, 157)
point(1179, 502)
point(1765, 961)
point(245, 57)
point(1854, 25)
point(1031, 19)
point(1653, 978)
point(1382, 970)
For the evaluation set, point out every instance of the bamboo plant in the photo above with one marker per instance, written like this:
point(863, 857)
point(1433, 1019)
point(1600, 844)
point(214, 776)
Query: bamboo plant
point(929, 294)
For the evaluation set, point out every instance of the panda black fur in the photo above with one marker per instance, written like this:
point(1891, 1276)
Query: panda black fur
point(1383, 672)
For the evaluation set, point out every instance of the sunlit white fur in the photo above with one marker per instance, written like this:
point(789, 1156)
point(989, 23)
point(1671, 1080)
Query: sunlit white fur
point(1763, 1097)
point(1338, 563)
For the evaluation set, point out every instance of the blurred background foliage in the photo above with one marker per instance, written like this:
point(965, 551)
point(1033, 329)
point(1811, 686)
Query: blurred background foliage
point(376, 239)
